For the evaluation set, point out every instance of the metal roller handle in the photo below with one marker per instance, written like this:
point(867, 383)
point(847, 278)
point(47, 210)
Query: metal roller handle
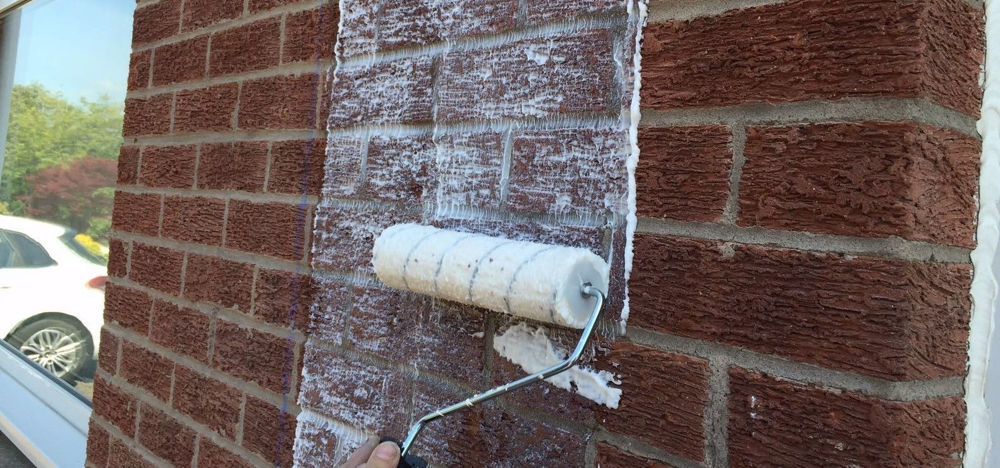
point(565, 365)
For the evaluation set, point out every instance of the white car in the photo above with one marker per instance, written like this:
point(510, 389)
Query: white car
point(51, 296)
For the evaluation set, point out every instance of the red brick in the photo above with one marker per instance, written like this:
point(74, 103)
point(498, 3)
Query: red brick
point(357, 34)
point(254, 46)
point(319, 444)
point(470, 166)
point(108, 352)
point(342, 168)
point(576, 171)
point(168, 166)
point(138, 70)
point(233, 166)
point(525, 72)
point(311, 35)
point(253, 355)
point(281, 102)
point(269, 431)
point(416, 22)
point(486, 435)
point(97, 445)
point(390, 92)
point(886, 318)
point(343, 238)
point(400, 169)
point(206, 110)
point(127, 307)
point(118, 258)
point(128, 165)
point(274, 229)
point(297, 167)
point(196, 219)
point(146, 369)
point(182, 330)
point(115, 405)
point(870, 180)
point(121, 455)
point(165, 436)
point(780, 423)
point(149, 116)
point(674, 424)
point(611, 457)
point(362, 395)
point(180, 61)
point(157, 267)
point(138, 213)
point(156, 21)
point(683, 173)
point(208, 401)
point(200, 13)
point(817, 50)
point(283, 298)
point(331, 307)
point(540, 11)
point(210, 454)
point(223, 282)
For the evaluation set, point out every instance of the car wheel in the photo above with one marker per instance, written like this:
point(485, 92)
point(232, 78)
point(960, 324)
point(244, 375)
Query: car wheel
point(60, 346)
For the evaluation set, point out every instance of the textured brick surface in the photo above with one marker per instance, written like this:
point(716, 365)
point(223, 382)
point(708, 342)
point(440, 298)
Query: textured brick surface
point(296, 167)
point(593, 159)
point(400, 169)
point(138, 70)
point(254, 46)
point(207, 400)
point(157, 267)
point(138, 213)
point(683, 173)
point(115, 405)
point(274, 229)
point(392, 92)
point(539, 11)
point(316, 444)
point(870, 180)
point(252, 355)
point(200, 13)
point(519, 80)
point(283, 298)
point(233, 166)
point(775, 422)
point(120, 454)
point(127, 307)
point(147, 370)
point(813, 49)
point(206, 109)
point(195, 219)
point(156, 21)
point(97, 444)
point(180, 329)
point(887, 318)
point(180, 61)
point(279, 102)
point(108, 352)
point(344, 238)
point(165, 436)
point(417, 22)
point(210, 454)
point(470, 167)
point(168, 166)
point(118, 258)
point(268, 431)
point(147, 116)
point(311, 35)
point(223, 282)
point(128, 165)
point(611, 457)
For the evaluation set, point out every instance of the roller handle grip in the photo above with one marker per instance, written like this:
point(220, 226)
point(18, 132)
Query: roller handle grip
point(409, 461)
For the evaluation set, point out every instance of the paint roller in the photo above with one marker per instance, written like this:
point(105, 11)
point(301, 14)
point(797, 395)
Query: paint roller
point(549, 283)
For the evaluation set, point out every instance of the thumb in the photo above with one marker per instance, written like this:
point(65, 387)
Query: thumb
point(386, 455)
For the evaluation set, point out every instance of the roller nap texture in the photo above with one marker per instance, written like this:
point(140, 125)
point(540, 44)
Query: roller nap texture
point(535, 281)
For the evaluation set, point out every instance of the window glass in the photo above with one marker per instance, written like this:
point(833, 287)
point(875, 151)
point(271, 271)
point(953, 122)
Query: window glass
point(63, 79)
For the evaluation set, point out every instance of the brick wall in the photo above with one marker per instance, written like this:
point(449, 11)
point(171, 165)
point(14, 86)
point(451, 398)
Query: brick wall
point(218, 178)
point(799, 289)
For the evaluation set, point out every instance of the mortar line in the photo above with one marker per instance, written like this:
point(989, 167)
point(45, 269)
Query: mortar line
point(572, 121)
point(889, 247)
point(294, 69)
point(800, 372)
point(197, 451)
point(819, 112)
point(686, 10)
point(233, 136)
point(717, 413)
point(258, 197)
point(508, 152)
point(642, 449)
point(737, 146)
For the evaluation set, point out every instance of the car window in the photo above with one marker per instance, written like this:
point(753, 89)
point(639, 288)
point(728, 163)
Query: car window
point(26, 252)
point(6, 251)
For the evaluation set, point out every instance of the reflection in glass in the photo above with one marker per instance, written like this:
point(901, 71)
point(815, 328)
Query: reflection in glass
point(62, 101)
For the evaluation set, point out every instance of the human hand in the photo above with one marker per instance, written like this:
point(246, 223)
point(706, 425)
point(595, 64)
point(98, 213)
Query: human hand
point(374, 455)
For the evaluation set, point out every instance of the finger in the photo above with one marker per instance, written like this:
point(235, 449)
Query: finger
point(361, 454)
point(386, 455)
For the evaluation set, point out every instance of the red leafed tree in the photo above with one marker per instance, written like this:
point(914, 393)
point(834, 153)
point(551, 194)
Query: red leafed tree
point(77, 194)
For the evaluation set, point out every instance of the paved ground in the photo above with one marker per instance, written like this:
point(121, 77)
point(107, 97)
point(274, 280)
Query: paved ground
point(10, 457)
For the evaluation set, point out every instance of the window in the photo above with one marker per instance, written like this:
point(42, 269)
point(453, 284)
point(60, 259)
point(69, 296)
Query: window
point(25, 253)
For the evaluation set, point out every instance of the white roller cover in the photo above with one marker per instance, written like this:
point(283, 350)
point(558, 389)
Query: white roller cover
point(536, 281)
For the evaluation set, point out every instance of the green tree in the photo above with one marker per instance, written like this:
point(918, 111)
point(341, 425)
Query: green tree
point(47, 130)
